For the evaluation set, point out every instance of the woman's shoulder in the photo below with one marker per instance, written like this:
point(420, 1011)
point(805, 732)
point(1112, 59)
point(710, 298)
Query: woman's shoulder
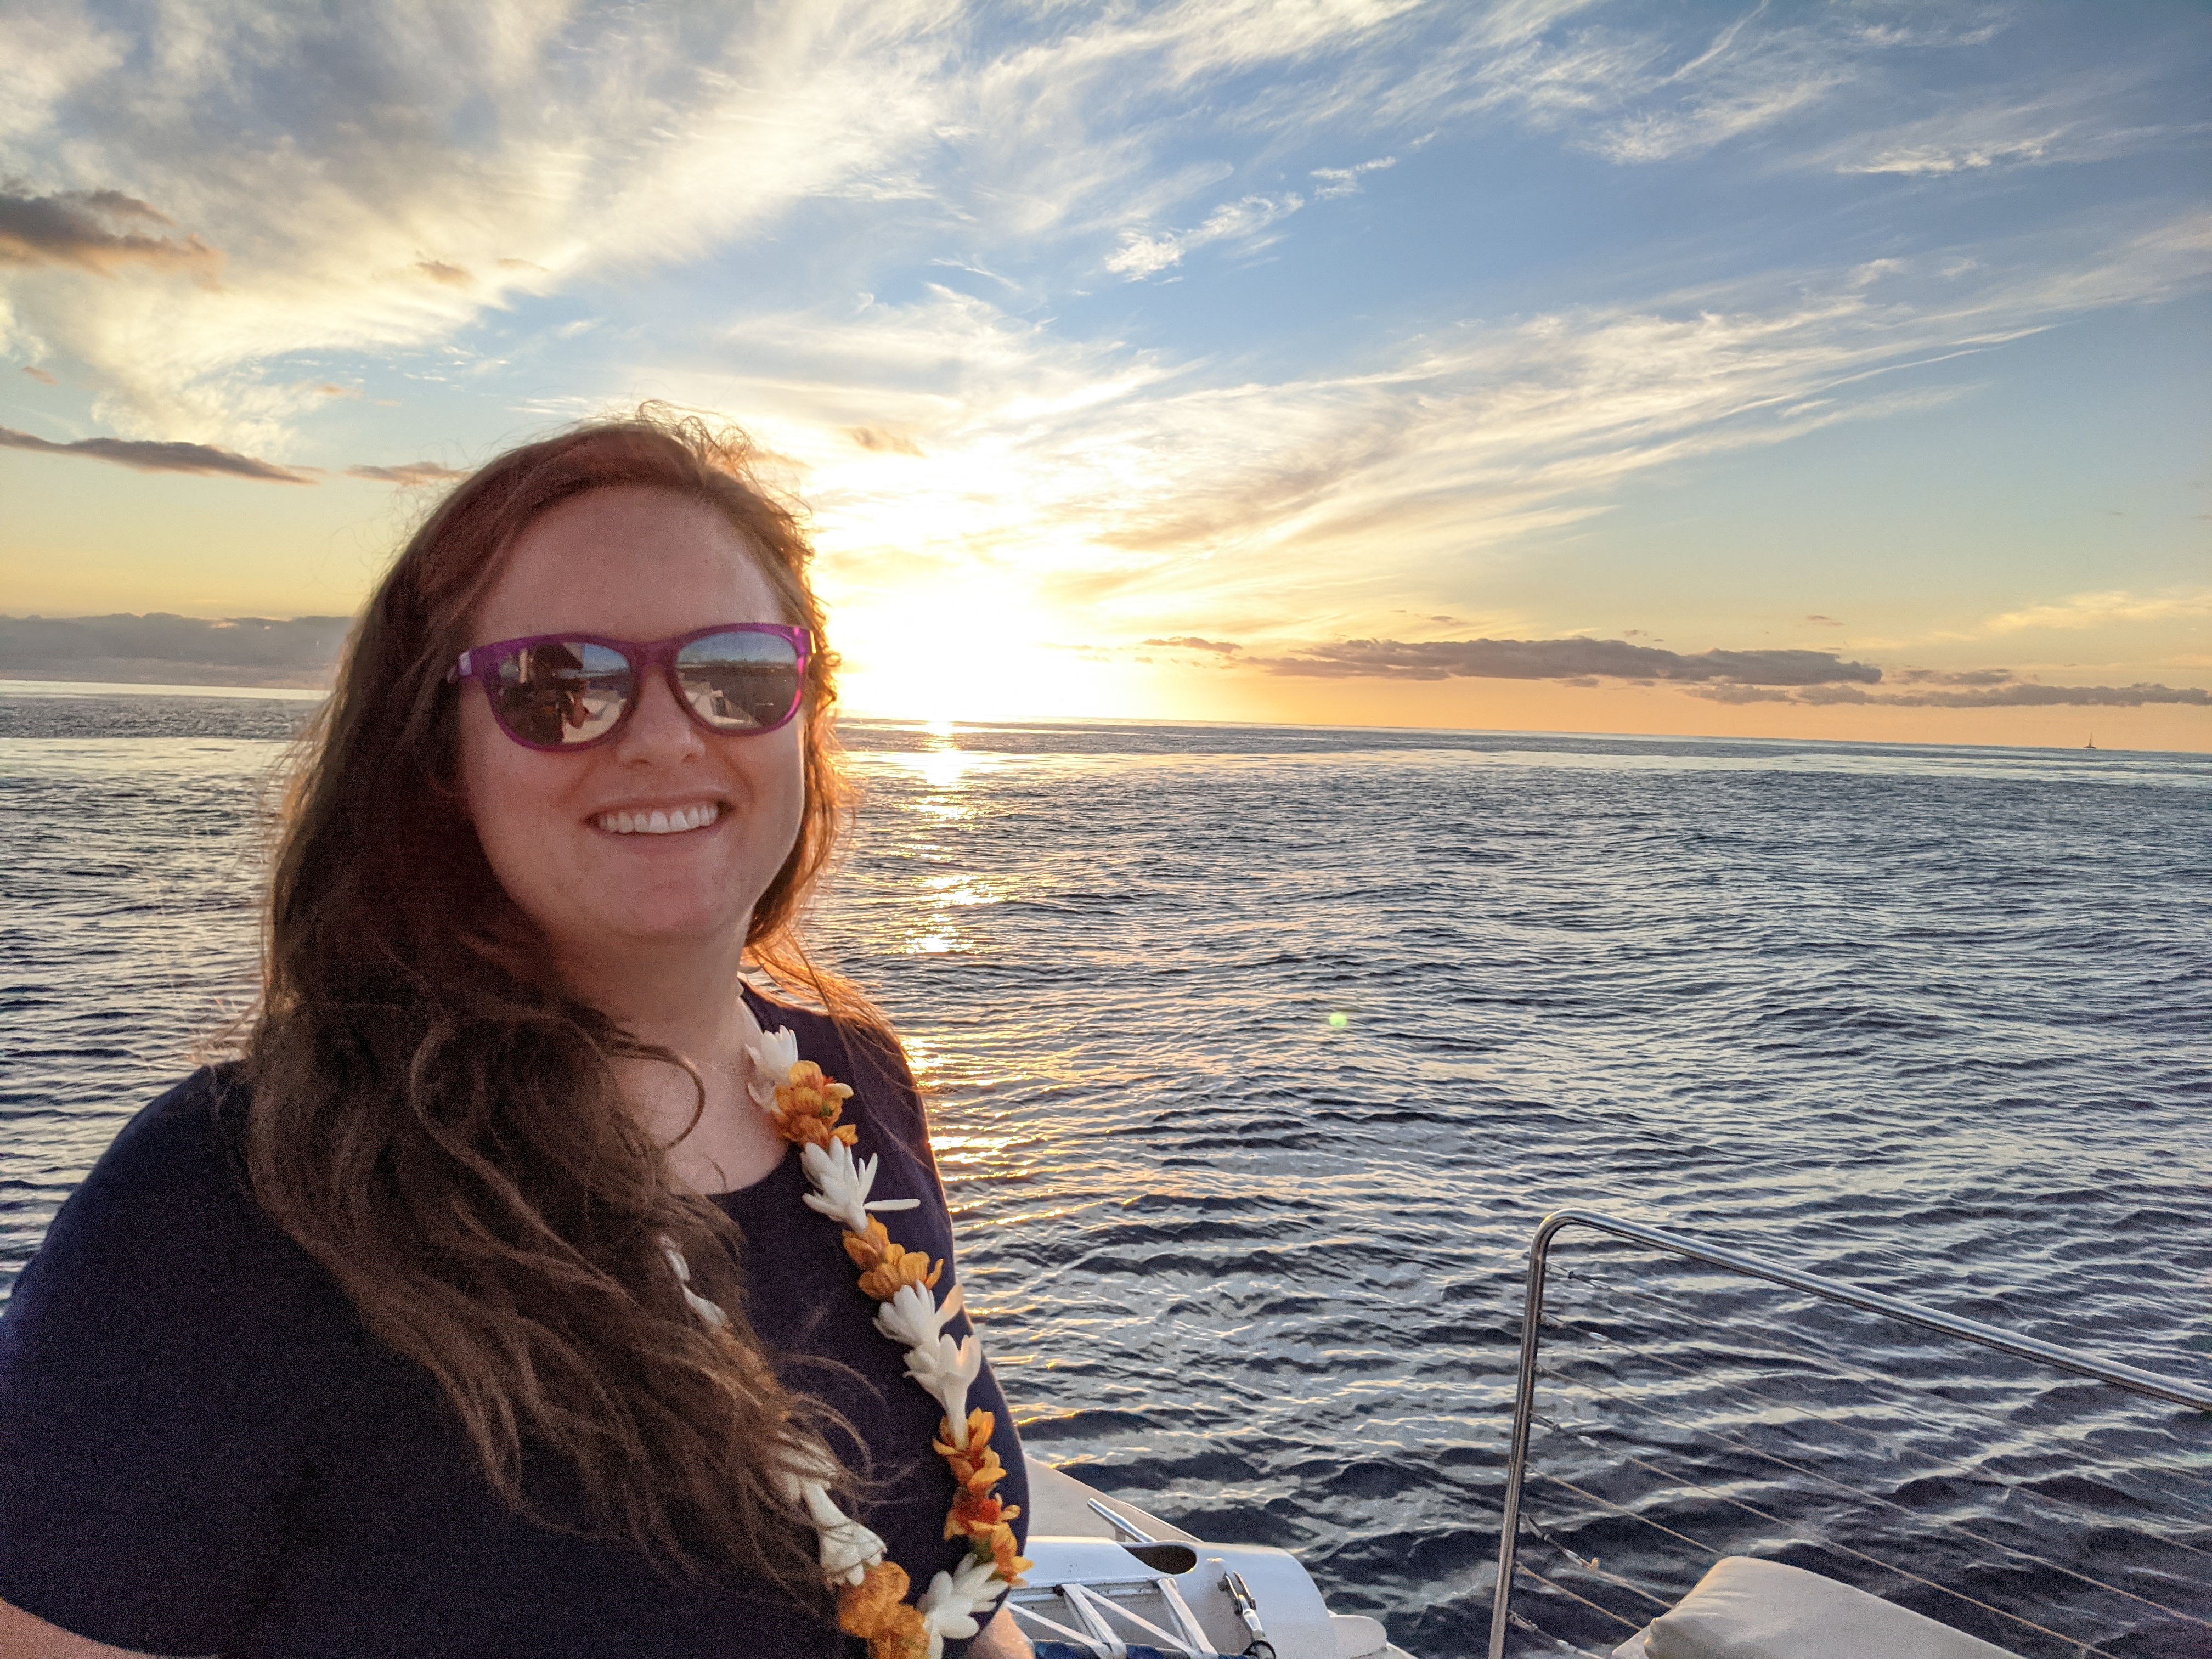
point(163, 1361)
point(178, 1162)
point(187, 1141)
point(166, 1217)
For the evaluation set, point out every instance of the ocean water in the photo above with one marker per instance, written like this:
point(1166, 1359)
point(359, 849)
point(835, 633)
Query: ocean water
point(1256, 1054)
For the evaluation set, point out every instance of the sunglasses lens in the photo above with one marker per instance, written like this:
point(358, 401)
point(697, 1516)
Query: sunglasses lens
point(740, 682)
point(561, 692)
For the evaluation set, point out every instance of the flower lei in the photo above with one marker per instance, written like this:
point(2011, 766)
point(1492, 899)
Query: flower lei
point(805, 1108)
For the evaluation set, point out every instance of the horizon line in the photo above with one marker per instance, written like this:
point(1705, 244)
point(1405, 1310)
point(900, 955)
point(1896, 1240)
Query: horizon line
point(57, 688)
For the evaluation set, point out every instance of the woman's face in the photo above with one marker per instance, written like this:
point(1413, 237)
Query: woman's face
point(631, 563)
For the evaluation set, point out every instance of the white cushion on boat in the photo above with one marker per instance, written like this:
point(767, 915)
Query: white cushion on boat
point(1358, 1637)
point(1745, 1608)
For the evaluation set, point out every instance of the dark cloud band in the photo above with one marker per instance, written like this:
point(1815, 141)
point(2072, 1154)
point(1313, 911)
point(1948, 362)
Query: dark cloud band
point(86, 229)
point(2020, 694)
point(145, 457)
point(1193, 642)
point(1549, 659)
point(188, 650)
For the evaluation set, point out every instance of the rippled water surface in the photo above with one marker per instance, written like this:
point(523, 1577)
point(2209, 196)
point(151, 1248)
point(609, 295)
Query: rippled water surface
point(1257, 1053)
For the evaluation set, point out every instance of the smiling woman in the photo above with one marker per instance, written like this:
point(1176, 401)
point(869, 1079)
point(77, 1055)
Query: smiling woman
point(578, 832)
point(502, 1299)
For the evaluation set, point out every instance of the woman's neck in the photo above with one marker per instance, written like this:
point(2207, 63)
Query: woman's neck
point(689, 1003)
point(685, 1001)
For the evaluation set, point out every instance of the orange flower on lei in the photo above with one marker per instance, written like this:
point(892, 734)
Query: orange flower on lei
point(977, 1512)
point(808, 1106)
point(887, 1265)
point(877, 1611)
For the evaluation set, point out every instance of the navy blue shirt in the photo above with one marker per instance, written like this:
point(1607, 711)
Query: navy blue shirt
point(202, 1451)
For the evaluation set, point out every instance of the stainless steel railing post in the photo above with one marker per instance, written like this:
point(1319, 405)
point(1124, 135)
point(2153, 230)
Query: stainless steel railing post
point(1524, 1402)
point(2174, 1390)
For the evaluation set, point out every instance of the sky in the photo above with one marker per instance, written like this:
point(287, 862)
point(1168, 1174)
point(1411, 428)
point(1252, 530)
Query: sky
point(1830, 371)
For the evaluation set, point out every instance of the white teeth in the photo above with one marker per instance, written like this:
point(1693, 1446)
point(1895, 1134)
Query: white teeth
point(659, 821)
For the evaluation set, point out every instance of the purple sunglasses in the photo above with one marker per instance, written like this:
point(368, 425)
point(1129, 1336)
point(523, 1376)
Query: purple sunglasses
point(564, 692)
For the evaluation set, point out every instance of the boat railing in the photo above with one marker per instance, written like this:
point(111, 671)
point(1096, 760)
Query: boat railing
point(1803, 1474)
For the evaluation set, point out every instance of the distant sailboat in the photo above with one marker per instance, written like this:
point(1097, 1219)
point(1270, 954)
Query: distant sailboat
point(2092, 744)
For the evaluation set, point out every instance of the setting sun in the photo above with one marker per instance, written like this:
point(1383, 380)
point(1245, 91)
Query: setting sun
point(959, 648)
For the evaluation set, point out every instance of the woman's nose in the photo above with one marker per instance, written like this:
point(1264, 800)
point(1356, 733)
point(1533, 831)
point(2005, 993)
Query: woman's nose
point(658, 728)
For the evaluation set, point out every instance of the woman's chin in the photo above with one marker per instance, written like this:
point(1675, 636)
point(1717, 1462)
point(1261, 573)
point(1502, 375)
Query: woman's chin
point(654, 924)
point(673, 926)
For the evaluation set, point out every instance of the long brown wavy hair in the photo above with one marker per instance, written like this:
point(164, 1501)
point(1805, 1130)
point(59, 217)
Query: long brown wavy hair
point(436, 1120)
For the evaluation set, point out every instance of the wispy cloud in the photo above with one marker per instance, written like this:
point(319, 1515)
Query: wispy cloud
point(1242, 223)
point(1630, 85)
point(1194, 642)
point(441, 170)
point(1344, 181)
point(448, 169)
point(445, 170)
point(2099, 609)
point(142, 456)
point(410, 474)
point(876, 441)
point(1124, 479)
point(2085, 117)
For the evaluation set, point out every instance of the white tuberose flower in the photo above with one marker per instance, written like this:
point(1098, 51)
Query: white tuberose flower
point(912, 1320)
point(944, 1369)
point(710, 1311)
point(840, 1185)
point(848, 1549)
point(950, 1605)
point(773, 1057)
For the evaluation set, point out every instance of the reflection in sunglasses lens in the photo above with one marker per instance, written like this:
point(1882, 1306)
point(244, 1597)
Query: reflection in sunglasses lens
point(561, 692)
point(740, 681)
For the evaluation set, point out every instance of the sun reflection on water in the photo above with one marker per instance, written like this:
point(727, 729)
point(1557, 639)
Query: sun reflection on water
point(947, 768)
point(958, 890)
point(930, 790)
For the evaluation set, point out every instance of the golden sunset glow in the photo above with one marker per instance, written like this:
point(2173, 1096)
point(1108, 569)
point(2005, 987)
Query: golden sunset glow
point(1620, 371)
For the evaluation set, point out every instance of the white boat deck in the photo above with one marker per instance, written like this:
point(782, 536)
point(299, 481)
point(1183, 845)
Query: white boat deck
point(1060, 1507)
point(1299, 1625)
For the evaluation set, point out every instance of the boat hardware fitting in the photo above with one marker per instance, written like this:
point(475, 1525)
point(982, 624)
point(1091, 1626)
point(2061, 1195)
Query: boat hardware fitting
point(1248, 1609)
point(1120, 1523)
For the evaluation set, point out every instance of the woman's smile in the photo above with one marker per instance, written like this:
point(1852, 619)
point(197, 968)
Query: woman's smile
point(662, 820)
